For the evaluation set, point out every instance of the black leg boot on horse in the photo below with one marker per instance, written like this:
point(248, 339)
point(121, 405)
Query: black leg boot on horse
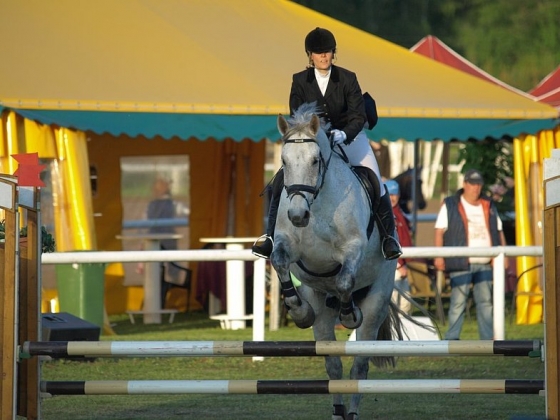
point(264, 245)
point(384, 217)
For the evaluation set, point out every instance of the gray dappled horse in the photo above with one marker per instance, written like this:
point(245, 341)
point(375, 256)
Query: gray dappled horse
point(321, 238)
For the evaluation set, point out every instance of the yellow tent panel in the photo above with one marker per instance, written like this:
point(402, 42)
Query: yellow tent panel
point(63, 59)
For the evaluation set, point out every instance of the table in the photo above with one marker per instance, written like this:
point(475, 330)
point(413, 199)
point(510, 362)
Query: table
point(235, 283)
point(152, 280)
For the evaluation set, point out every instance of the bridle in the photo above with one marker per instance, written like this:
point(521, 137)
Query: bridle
point(299, 189)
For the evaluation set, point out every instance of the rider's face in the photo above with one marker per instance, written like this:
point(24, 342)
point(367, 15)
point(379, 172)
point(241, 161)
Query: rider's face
point(322, 61)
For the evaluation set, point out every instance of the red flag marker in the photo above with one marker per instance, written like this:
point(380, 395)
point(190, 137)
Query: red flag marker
point(29, 170)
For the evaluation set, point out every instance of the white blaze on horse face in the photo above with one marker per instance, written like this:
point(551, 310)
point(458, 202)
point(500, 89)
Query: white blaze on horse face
point(301, 161)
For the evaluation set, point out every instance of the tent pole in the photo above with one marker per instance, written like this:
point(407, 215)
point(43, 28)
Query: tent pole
point(414, 189)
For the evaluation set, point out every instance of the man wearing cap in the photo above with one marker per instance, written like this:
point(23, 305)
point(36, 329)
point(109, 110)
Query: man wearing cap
point(469, 219)
point(403, 233)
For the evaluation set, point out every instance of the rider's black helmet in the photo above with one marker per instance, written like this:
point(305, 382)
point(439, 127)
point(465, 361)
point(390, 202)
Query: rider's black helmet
point(320, 40)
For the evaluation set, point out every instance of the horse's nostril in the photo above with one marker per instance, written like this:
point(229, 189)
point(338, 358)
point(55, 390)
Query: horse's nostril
point(299, 220)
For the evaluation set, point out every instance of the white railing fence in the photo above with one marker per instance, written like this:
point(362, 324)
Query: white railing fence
point(498, 253)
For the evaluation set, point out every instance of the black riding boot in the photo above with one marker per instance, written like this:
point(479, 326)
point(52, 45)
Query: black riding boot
point(264, 245)
point(386, 225)
point(384, 216)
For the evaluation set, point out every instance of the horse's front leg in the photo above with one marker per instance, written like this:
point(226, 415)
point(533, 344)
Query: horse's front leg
point(299, 309)
point(350, 314)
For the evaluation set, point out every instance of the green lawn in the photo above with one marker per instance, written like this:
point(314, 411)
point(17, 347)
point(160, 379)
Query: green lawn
point(224, 407)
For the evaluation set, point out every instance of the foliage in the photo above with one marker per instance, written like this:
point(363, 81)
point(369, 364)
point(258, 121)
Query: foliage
point(494, 159)
point(403, 22)
point(48, 242)
point(514, 40)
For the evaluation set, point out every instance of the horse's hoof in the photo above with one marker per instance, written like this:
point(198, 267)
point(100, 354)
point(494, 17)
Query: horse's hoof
point(304, 316)
point(305, 322)
point(353, 320)
point(339, 412)
point(352, 416)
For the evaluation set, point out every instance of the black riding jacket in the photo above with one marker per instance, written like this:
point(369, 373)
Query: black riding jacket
point(342, 105)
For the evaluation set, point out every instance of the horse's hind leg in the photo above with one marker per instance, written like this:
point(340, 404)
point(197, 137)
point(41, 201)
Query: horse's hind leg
point(323, 330)
point(375, 315)
point(299, 309)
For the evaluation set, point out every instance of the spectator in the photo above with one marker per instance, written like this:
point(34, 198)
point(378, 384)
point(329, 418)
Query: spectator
point(469, 219)
point(162, 206)
point(402, 286)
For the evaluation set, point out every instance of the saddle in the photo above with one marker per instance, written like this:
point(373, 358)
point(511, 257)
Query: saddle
point(370, 183)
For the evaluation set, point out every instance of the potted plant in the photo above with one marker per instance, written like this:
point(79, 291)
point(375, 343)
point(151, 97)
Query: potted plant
point(494, 159)
point(47, 240)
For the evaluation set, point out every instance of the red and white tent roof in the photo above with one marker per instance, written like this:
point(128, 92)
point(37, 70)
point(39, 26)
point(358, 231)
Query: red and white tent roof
point(432, 47)
point(548, 90)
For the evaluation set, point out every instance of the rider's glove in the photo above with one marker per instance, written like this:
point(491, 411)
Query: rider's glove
point(338, 136)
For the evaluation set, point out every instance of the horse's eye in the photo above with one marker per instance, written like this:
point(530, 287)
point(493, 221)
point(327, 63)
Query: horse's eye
point(315, 161)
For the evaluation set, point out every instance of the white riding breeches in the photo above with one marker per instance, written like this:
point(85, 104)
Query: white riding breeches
point(360, 153)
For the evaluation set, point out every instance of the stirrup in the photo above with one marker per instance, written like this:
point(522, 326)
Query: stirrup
point(264, 250)
point(396, 253)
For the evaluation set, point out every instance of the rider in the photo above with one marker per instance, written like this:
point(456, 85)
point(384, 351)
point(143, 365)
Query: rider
point(338, 95)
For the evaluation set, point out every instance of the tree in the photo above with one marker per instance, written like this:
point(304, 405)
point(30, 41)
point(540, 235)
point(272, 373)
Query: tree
point(517, 41)
point(494, 159)
point(403, 22)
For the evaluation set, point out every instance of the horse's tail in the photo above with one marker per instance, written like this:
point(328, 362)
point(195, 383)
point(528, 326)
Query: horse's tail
point(391, 329)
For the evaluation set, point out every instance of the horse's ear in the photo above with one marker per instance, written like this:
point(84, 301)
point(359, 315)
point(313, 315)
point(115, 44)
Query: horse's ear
point(282, 124)
point(315, 124)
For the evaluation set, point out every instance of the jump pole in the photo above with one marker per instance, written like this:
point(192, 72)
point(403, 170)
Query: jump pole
point(530, 348)
point(400, 386)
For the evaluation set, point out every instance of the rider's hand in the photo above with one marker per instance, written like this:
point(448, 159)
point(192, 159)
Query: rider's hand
point(338, 136)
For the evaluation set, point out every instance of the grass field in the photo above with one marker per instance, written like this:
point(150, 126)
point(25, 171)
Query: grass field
point(196, 326)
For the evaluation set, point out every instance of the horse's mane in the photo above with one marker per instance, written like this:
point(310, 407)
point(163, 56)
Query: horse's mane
point(299, 122)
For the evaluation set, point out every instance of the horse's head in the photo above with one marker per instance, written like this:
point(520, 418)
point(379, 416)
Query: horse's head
point(302, 159)
point(405, 181)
